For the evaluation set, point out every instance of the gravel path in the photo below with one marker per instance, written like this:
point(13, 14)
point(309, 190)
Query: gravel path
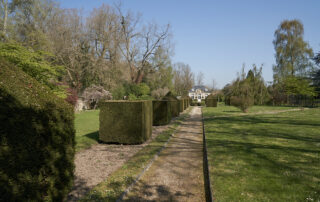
point(177, 174)
point(95, 164)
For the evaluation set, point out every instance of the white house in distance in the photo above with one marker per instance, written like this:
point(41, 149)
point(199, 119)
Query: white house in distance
point(199, 93)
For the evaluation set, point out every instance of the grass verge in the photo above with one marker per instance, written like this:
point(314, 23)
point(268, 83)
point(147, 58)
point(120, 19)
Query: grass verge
point(264, 157)
point(87, 129)
point(118, 181)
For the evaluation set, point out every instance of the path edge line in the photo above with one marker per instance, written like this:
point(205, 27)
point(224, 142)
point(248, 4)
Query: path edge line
point(206, 175)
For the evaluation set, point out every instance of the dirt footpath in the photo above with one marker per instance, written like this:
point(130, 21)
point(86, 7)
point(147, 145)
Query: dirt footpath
point(177, 175)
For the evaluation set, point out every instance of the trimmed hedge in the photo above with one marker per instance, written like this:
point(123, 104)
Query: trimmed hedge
point(161, 112)
point(211, 101)
point(37, 139)
point(175, 104)
point(125, 122)
point(181, 105)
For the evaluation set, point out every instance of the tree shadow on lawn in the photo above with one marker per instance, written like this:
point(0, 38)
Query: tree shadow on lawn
point(293, 160)
point(253, 119)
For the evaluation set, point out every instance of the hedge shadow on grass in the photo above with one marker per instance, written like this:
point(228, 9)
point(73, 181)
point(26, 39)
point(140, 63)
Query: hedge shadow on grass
point(93, 135)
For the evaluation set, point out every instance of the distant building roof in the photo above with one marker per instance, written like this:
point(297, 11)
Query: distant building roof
point(202, 88)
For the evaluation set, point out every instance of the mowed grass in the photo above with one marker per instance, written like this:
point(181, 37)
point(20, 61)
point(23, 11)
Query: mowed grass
point(263, 157)
point(87, 129)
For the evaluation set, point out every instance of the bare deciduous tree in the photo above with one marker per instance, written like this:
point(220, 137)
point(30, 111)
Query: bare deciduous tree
point(200, 78)
point(183, 78)
point(140, 44)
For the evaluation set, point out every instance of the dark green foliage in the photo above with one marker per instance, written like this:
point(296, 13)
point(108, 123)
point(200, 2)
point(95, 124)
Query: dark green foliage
point(125, 122)
point(37, 139)
point(185, 104)
point(211, 101)
point(118, 93)
point(175, 104)
point(35, 64)
point(136, 89)
point(161, 112)
point(316, 80)
point(181, 105)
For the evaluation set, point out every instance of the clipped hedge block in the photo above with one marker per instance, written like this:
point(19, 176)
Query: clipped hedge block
point(161, 112)
point(181, 105)
point(211, 102)
point(125, 122)
point(37, 139)
point(175, 104)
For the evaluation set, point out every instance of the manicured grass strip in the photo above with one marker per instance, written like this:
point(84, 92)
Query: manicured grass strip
point(117, 182)
point(230, 110)
point(87, 129)
point(265, 157)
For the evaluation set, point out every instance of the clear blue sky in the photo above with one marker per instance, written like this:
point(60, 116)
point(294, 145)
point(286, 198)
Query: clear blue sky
point(217, 37)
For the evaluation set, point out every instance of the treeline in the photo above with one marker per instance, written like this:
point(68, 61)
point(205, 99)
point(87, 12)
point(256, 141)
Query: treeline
point(109, 49)
point(296, 74)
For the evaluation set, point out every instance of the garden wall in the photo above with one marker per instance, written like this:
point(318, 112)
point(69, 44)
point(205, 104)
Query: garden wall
point(125, 122)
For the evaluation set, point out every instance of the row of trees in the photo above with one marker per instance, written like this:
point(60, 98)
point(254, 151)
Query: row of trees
point(109, 48)
point(296, 73)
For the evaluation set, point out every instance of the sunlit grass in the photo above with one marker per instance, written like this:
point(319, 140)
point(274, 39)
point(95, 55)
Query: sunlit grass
point(87, 129)
point(264, 157)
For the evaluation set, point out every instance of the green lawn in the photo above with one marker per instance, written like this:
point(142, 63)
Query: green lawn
point(87, 129)
point(264, 157)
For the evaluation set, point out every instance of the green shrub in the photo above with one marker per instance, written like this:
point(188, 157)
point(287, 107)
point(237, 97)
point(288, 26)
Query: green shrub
point(125, 122)
point(137, 90)
point(175, 104)
point(118, 93)
point(161, 112)
point(37, 139)
point(36, 64)
point(242, 103)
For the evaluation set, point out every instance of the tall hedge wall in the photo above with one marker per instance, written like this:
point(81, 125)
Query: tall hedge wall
point(211, 102)
point(161, 112)
point(175, 104)
point(181, 105)
point(37, 139)
point(125, 122)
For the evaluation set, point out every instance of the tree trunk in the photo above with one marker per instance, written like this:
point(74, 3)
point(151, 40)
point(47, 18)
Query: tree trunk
point(5, 6)
point(139, 77)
